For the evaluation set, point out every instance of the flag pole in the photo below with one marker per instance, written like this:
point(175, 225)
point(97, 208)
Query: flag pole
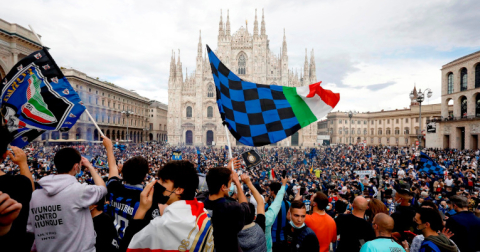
point(31, 28)
point(229, 145)
point(94, 123)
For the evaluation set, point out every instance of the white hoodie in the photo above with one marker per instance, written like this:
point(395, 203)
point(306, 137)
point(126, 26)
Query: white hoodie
point(59, 215)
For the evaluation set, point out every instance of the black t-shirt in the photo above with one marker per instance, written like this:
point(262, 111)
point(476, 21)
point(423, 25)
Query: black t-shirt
point(19, 188)
point(353, 231)
point(124, 202)
point(228, 218)
point(403, 219)
point(106, 233)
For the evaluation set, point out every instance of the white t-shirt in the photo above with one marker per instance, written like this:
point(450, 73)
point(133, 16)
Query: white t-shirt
point(449, 182)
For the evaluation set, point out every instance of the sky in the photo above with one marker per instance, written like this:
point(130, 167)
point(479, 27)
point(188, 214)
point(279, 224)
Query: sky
point(371, 52)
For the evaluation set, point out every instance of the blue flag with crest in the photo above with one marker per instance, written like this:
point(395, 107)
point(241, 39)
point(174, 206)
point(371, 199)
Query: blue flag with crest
point(36, 97)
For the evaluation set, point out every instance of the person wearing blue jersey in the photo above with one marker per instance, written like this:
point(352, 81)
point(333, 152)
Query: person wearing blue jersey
point(124, 191)
point(276, 216)
point(383, 226)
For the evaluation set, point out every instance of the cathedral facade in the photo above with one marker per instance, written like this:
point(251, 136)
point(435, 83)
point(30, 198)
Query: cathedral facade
point(193, 116)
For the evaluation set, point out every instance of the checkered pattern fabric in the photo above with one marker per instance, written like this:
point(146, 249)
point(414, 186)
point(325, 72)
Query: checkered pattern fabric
point(255, 114)
point(429, 166)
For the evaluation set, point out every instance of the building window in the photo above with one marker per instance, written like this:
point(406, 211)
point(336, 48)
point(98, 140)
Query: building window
point(397, 131)
point(346, 131)
point(210, 91)
point(346, 121)
point(364, 131)
point(340, 131)
point(242, 63)
point(477, 108)
point(209, 112)
point(406, 140)
point(365, 122)
point(463, 79)
point(396, 140)
point(340, 121)
point(416, 119)
point(379, 121)
point(388, 140)
point(352, 121)
point(406, 120)
point(359, 131)
point(379, 131)
point(477, 76)
point(463, 107)
point(407, 131)
point(371, 140)
point(388, 120)
point(371, 122)
point(189, 112)
point(450, 83)
point(379, 140)
point(388, 131)
point(372, 132)
point(396, 120)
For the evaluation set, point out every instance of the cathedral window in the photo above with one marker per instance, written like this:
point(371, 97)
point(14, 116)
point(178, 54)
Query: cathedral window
point(189, 112)
point(242, 63)
point(210, 91)
point(209, 112)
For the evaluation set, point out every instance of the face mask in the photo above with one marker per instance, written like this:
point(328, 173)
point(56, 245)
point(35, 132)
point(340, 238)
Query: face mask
point(231, 191)
point(293, 225)
point(439, 197)
point(328, 208)
point(158, 190)
point(78, 174)
point(389, 201)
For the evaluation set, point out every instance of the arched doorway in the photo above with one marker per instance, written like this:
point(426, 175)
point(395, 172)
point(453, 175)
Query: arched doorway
point(463, 107)
point(78, 134)
point(294, 139)
point(477, 105)
point(55, 135)
point(95, 135)
point(118, 134)
point(189, 137)
point(209, 137)
point(123, 135)
point(89, 135)
point(113, 135)
point(150, 136)
point(108, 133)
point(65, 135)
point(45, 136)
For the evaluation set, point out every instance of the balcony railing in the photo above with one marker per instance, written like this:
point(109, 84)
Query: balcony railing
point(453, 118)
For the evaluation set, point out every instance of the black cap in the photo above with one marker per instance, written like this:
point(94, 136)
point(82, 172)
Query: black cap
point(404, 188)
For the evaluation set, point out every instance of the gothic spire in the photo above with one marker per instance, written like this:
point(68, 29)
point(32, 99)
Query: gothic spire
point(263, 31)
point(199, 52)
point(228, 24)
point(313, 74)
point(255, 25)
point(284, 51)
point(305, 68)
point(220, 25)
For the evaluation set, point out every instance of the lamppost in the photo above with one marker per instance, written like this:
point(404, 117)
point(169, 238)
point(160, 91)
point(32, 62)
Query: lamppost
point(127, 113)
point(420, 98)
point(350, 115)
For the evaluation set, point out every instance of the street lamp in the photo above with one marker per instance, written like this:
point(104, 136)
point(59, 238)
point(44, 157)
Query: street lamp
point(420, 98)
point(127, 113)
point(350, 115)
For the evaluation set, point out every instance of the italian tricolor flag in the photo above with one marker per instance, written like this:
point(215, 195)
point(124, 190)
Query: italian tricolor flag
point(310, 103)
point(271, 174)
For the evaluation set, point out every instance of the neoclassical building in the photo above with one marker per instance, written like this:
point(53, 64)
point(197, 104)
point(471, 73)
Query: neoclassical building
point(157, 118)
point(399, 127)
point(105, 102)
point(459, 128)
point(193, 116)
point(16, 42)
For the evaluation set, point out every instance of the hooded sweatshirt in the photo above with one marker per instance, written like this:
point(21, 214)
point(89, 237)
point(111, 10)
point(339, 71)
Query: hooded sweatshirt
point(59, 215)
point(442, 242)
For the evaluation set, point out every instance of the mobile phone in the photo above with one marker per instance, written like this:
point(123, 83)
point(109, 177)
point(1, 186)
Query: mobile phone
point(284, 173)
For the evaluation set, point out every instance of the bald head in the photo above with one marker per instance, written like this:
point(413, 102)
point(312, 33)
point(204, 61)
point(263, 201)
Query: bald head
point(384, 222)
point(360, 204)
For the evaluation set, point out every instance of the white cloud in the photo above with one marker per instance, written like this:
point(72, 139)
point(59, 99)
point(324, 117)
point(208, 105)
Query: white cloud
point(357, 43)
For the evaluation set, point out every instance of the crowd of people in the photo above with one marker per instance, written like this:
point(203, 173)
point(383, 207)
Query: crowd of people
point(100, 197)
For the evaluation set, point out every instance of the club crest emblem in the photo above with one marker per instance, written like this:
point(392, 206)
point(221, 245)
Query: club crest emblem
point(55, 79)
point(66, 91)
point(251, 158)
point(72, 115)
point(81, 103)
point(19, 68)
point(25, 139)
point(37, 56)
point(46, 67)
point(35, 108)
point(68, 123)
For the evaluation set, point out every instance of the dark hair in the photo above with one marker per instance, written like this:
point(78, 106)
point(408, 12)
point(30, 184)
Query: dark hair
point(65, 159)
point(297, 204)
point(216, 177)
point(100, 204)
point(275, 187)
point(321, 200)
point(183, 175)
point(460, 201)
point(431, 216)
point(429, 203)
point(251, 215)
point(134, 170)
point(5, 139)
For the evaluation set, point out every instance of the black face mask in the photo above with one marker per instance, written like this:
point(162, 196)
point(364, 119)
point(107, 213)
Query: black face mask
point(158, 196)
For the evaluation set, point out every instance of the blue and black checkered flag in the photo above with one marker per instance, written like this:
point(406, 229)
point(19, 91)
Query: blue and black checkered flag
point(429, 166)
point(260, 114)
